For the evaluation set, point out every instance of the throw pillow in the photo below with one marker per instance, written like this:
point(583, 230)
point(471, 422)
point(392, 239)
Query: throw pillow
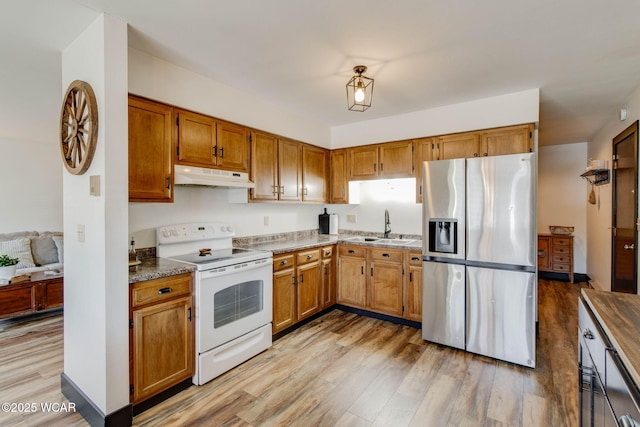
point(59, 242)
point(5, 237)
point(44, 250)
point(19, 248)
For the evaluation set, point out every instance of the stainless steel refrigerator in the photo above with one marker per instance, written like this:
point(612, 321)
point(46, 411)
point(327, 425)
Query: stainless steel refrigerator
point(479, 256)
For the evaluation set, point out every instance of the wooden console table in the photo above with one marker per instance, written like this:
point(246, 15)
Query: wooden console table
point(555, 254)
point(38, 293)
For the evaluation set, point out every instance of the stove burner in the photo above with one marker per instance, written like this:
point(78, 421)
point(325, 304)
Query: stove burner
point(204, 251)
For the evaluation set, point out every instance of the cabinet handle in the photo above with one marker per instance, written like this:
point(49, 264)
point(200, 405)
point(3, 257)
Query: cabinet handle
point(415, 258)
point(411, 277)
point(371, 271)
point(381, 167)
point(386, 255)
point(542, 253)
point(309, 256)
point(281, 189)
point(374, 167)
point(215, 151)
point(327, 252)
point(283, 262)
point(189, 314)
point(351, 251)
point(629, 247)
point(222, 153)
point(485, 154)
point(168, 187)
point(475, 154)
point(361, 269)
point(304, 191)
point(302, 278)
point(274, 189)
point(164, 291)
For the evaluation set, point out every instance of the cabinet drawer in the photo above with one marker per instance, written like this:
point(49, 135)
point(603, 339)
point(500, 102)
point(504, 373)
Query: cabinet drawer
point(386, 255)
point(327, 251)
point(282, 262)
point(305, 257)
point(565, 258)
point(357, 251)
point(415, 258)
point(562, 241)
point(162, 289)
point(565, 268)
point(556, 249)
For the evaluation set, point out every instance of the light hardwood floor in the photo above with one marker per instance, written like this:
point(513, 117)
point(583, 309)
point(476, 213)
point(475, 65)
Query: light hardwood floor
point(341, 369)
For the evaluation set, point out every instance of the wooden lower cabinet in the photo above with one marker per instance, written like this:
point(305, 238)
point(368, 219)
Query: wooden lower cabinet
point(375, 279)
point(162, 347)
point(413, 287)
point(38, 293)
point(303, 285)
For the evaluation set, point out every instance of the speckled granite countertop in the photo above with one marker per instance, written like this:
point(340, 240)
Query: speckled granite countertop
point(154, 268)
point(288, 242)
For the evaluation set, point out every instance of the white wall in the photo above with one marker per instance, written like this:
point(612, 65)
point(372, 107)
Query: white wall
point(599, 216)
point(96, 332)
point(503, 110)
point(562, 194)
point(32, 185)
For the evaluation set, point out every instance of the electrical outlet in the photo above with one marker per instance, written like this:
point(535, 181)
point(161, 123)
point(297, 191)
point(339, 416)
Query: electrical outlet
point(352, 218)
point(266, 220)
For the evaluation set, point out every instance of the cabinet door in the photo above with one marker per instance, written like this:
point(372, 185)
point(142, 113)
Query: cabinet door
point(309, 289)
point(163, 350)
point(363, 162)
point(233, 147)
point(264, 166)
point(460, 145)
point(413, 291)
point(314, 174)
point(352, 282)
point(284, 299)
point(423, 149)
point(290, 169)
point(396, 159)
point(544, 253)
point(385, 287)
point(339, 180)
point(196, 140)
point(150, 148)
point(508, 140)
point(328, 283)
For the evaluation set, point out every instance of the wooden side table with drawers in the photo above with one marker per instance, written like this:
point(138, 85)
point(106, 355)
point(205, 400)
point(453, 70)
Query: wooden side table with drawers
point(555, 254)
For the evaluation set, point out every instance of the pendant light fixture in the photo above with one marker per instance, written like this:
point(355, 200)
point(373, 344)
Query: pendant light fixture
point(359, 90)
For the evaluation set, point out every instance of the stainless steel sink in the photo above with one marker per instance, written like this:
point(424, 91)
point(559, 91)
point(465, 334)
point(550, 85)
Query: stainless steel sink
point(368, 239)
point(397, 241)
point(363, 239)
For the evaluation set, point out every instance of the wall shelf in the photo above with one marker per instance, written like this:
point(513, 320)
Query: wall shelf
point(597, 176)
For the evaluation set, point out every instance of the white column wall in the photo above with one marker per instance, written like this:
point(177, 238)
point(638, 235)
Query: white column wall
point(96, 343)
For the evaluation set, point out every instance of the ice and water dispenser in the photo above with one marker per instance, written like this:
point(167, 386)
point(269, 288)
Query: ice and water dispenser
point(443, 235)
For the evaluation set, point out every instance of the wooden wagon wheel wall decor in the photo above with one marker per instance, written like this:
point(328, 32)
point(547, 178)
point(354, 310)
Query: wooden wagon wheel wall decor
point(78, 127)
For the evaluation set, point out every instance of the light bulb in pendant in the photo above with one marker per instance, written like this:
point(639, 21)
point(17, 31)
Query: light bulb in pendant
point(359, 93)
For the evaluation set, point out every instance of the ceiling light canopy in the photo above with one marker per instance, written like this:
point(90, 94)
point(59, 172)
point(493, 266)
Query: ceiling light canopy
point(359, 90)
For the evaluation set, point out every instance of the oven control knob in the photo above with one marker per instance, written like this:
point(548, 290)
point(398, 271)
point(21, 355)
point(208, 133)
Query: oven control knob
point(165, 233)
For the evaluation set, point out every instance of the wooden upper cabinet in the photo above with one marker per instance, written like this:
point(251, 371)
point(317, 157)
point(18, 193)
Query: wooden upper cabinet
point(339, 177)
point(389, 160)
point(196, 139)
point(315, 167)
point(233, 147)
point(290, 169)
point(150, 151)
point(423, 152)
point(396, 159)
point(456, 146)
point(264, 166)
point(363, 162)
point(507, 140)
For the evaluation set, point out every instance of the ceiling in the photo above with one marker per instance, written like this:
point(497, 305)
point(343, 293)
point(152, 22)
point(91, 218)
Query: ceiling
point(299, 54)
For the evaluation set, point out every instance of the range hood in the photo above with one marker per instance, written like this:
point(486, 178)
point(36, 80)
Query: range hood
point(190, 175)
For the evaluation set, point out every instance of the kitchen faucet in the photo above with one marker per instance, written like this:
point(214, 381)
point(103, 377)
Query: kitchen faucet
point(387, 224)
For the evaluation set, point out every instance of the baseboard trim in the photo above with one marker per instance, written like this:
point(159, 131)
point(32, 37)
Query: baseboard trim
point(303, 322)
point(139, 408)
point(386, 317)
point(563, 277)
point(90, 412)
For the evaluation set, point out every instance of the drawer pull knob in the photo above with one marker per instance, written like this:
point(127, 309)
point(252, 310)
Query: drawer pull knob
point(587, 334)
point(351, 251)
point(309, 256)
point(283, 262)
point(164, 291)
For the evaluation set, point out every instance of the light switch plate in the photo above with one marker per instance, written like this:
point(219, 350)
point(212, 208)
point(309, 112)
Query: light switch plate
point(352, 218)
point(94, 185)
point(80, 233)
